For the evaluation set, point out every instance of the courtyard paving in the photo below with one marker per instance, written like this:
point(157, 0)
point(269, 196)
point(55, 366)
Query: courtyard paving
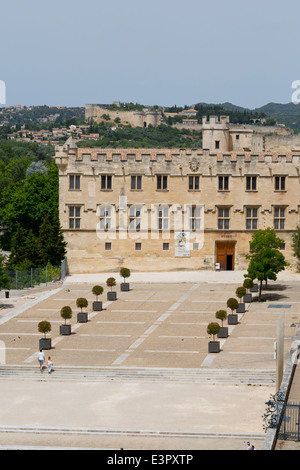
point(160, 323)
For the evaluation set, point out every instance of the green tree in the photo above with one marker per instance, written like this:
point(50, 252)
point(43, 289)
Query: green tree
point(296, 243)
point(265, 259)
point(4, 279)
point(52, 247)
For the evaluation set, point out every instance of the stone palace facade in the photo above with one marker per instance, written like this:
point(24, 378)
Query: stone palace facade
point(173, 209)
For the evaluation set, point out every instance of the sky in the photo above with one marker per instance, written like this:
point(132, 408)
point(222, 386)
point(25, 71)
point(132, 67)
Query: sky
point(159, 52)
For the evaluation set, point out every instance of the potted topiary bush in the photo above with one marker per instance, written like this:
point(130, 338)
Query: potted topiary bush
point(213, 329)
point(222, 315)
point(248, 284)
point(111, 282)
point(82, 317)
point(97, 305)
point(125, 273)
point(66, 313)
point(241, 292)
point(232, 318)
point(44, 327)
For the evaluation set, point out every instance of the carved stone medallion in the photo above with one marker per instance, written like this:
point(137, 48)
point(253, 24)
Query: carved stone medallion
point(194, 164)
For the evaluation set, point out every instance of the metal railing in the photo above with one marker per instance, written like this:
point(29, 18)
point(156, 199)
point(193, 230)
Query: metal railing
point(290, 424)
point(37, 276)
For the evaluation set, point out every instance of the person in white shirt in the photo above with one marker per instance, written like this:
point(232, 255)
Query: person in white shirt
point(41, 359)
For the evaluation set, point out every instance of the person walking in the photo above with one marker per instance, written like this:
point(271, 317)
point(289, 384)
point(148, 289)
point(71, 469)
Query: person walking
point(41, 359)
point(50, 364)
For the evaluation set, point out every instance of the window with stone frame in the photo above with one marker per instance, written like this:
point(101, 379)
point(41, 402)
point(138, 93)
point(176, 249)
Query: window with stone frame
point(279, 218)
point(223, 218)
point(251, 218)
point(163, 217)
point(106, 182)
point(105, 218)
point(161, 182)
point(136, 182)
point(195, 217)
point(280, 183)
point(74, 217)
point(135, 218)
point(74, 182)
point(223, 183)
point(194, 183)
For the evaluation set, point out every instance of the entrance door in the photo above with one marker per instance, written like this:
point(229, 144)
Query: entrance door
point(225, 255)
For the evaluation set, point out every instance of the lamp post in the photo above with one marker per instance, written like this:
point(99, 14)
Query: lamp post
point(279, 350)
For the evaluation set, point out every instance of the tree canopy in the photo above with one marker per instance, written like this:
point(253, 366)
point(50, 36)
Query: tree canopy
point(265, 258)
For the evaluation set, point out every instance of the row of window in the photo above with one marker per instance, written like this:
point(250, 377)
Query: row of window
point(163, 218)
point(193, 182)
point(138, 246)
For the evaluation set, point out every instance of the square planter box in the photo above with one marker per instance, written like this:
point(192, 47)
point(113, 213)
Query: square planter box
point(223, 333)
point(247, 298)
point(111, 296)
point(45, 343)
point(124, 286)
point(241, 308)
point(254, 288)
point(82, 317)
point(65, 330)
point(97, 306)
point(214, 347)
point(232, 319)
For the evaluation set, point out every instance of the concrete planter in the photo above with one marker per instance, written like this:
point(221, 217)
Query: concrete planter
point(241, 308)
point(232, 319)
point(111, 296)
point(214, 347)
point(223, 333)
point(248, 298)
point(97, 306)
point(45, 343)
point(125, 287)
point(82, 317)
point(65, 330)
point(254, 288)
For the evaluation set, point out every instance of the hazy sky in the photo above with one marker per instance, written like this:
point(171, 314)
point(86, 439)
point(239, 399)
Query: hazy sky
point(73, 52)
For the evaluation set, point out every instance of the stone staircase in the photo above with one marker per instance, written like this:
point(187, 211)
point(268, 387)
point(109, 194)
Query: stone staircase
point(140, 375)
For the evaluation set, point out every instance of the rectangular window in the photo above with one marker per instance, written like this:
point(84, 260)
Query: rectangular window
point(163, 218)
point(279, 183)
point(251, 183)
point(251, 218)
point(135, 218)
point(194, 218)
point(105, 218)
point(107, 246)
point(162, 182)
point(106, 182)
point(136, 182)
point(74, 181)
point(138, 246)
point(165, 246)
point(74, 217)
point(279, 218)
point(223, 218)
point(223, 183)
point(194, 183)
point(217, 144)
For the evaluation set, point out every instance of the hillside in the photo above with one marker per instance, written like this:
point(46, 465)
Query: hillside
point(288, 114)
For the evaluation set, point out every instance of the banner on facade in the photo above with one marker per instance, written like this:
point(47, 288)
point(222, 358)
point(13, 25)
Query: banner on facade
point(182, 244)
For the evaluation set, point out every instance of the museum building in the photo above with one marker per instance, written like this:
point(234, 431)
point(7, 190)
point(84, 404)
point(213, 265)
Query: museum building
point(177, 209)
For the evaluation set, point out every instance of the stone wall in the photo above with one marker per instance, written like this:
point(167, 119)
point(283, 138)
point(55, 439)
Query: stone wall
point(87, 249)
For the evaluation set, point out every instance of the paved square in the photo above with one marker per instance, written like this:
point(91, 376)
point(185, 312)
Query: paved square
point(142, 363)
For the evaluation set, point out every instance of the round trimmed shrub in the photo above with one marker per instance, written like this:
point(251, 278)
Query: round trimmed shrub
point(232, 303)
point(221, 315)
point(213, 329)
